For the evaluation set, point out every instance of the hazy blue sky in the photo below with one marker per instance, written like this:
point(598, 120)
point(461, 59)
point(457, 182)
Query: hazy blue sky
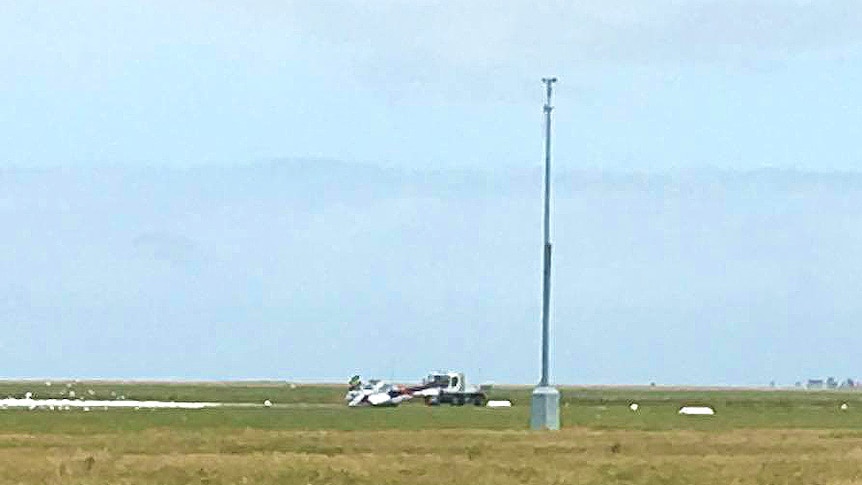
point(659, 84)
point(707, 216)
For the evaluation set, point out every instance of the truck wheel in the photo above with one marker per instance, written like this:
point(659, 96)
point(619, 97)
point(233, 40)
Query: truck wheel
point(459, 400)
point(478, 401)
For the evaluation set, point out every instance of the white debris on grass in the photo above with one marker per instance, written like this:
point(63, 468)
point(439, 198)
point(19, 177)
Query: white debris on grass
point(267, 403)
point(696, 411)
point(47, 383)
point(844, 406)
point(293, 386)
point(634, 406)
point(71, 393)
point(28, 395)
point(91, 392)
point(30, 403)
point(499, 404)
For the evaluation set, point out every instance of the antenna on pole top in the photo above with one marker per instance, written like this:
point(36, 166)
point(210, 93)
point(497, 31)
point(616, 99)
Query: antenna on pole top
point(549, 83)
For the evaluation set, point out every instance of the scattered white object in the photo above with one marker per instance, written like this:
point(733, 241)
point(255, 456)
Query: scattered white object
point(499, 404)
point(86, 409)
point(47, 383)
point(696, 411)
point(29, 403)
point(71, 393)
point(634, 406)
point(844, 406)
point(91, 392)
point(68, 385)
point(293, 386)
point(28, 395)
point(267, 403)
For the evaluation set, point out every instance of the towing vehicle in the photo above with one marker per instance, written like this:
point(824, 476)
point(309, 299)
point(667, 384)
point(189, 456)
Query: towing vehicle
point(450, 388)
point(436, 388)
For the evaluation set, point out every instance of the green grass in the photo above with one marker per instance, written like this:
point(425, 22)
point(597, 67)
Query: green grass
point(320, 407)
point(311, 437)
point(230, 392)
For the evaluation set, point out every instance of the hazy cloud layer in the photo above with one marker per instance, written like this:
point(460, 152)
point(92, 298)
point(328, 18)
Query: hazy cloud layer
point(441, 41)
point(434, 84)
point(664, 271)
point(404, 42)
point(319, 270)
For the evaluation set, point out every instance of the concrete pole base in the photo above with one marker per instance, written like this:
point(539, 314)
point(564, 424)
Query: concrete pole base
point(545, 408)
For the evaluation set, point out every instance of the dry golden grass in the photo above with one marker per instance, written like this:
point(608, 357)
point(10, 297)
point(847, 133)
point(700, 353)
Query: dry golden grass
point(310, 437)
point(574, 455)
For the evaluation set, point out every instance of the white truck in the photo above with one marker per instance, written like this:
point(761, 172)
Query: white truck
point(450, 387)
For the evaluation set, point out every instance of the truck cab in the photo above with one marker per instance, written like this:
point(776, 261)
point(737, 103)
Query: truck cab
point(452, 388)
point(448, 381)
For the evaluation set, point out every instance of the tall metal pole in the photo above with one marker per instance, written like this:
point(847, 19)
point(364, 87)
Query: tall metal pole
point(546, 284)
point(545, 406)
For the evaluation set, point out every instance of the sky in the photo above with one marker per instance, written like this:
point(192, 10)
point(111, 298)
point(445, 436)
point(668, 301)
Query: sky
point(643, 86)
point(305, 190)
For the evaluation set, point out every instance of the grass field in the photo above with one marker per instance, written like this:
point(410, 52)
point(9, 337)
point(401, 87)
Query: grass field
point(756, 437)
